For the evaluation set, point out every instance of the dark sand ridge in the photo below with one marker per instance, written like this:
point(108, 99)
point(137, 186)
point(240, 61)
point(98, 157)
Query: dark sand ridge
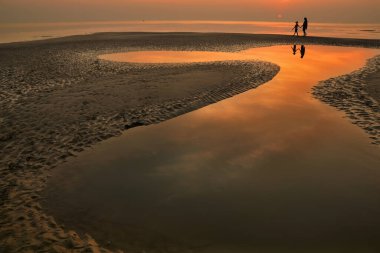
point(58, 98)
point(358, 95)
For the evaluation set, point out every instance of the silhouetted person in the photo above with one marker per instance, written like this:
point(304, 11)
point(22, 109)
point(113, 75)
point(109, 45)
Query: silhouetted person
point(304, 26)
point(294, 49)
point(295, 28)
point(303, 51)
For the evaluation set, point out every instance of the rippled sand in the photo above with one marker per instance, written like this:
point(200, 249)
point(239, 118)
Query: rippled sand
point(57, 98)
point(357, 94)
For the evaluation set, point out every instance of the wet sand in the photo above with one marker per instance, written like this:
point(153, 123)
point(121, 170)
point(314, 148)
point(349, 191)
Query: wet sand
point(224, 177)
point(358, 95)
point(57, 98)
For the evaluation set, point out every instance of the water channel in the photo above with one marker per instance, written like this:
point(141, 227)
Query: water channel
point(270, 170)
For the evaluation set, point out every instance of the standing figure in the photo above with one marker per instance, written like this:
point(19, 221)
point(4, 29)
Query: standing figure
point(304, 26)
point(295, 28)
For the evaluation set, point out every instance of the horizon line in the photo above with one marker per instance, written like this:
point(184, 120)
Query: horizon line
point(195, 21)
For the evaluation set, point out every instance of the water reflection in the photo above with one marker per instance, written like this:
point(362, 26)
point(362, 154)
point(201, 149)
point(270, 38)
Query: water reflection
point(201, 56)
point(294, 49)
point(30, 31)
point(302, 50)
point(270, 170)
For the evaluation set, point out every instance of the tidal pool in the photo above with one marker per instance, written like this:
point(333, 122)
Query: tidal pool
point(269, 170)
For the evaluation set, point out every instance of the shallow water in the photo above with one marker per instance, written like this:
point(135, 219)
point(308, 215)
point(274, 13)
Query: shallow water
point(11, 32)
point(272, 170)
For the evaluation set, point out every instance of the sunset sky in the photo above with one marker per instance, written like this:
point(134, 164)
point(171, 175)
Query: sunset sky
point(342, 11)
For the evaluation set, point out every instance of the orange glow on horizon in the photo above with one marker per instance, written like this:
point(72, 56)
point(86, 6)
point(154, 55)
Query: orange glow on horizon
point(255, 10)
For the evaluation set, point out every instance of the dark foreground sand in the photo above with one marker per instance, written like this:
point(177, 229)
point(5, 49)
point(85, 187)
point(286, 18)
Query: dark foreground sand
point(57, 98)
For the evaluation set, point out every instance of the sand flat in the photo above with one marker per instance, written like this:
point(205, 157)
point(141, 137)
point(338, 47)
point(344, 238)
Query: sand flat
point(224, 177)
point(357, 94)
point(57, 98)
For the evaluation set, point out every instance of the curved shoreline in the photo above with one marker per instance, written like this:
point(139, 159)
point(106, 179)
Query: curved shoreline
point(350, 93)
point(38, 133)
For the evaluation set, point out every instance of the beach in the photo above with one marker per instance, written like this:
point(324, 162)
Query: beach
point(58, 99)
point(357, 94)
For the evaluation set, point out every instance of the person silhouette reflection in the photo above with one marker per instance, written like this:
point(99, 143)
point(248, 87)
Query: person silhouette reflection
point(303, 51)
point(294, 49)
